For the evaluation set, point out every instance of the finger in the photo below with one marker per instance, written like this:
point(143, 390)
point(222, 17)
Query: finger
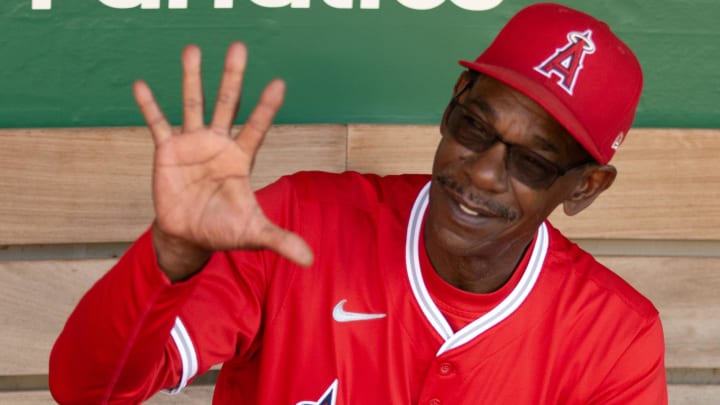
point(228, 98)
point(260, 120)
point(286, 244)
point(154, 117)
point(193, 100)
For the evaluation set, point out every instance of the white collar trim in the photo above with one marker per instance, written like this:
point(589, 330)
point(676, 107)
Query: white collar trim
point(498, 314)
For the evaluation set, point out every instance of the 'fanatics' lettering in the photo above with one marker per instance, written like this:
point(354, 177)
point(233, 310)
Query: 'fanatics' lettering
point(471, 5)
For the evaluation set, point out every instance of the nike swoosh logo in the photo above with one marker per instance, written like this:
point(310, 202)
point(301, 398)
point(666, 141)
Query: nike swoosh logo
point(341, 315)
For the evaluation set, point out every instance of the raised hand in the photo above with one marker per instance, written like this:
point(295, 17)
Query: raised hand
point(201, 176)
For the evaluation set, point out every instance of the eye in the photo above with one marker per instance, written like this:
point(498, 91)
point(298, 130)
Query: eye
point(475, 124)
point(532, 159)
point(470, 130)
point(476, 129)
point(472, 122)
point(532, 164)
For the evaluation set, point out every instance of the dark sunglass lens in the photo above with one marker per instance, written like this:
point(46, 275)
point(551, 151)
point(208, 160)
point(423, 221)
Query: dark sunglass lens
point(530, 168)
point(469, 130)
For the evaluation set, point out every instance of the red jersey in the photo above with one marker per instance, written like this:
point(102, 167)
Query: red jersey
point(370, 322)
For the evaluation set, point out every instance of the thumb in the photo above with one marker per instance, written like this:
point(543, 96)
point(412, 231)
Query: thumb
point(287, 244)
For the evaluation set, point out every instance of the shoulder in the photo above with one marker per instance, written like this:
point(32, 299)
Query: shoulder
point(314, 203)
point(591, 277)
point(347, 188)
point(594, 311)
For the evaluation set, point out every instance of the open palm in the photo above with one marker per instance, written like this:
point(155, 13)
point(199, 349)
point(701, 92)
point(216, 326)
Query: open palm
point(201, 175)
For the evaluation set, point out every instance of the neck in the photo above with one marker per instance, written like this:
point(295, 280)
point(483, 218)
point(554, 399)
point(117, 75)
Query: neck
point(479, 274)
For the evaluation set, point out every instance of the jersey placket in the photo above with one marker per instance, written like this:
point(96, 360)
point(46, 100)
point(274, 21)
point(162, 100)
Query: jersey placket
point(444, 373)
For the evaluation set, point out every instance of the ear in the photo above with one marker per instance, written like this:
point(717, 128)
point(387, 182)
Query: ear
point(594, 180)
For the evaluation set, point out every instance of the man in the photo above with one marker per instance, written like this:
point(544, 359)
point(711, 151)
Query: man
point(358, 289)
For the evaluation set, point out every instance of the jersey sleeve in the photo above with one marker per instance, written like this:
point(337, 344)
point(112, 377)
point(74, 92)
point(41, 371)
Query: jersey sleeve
point(638, 377)
point(135, 333)
point(116, 342)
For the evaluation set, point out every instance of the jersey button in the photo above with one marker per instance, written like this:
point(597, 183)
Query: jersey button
point(434, 401)
point(446, 368)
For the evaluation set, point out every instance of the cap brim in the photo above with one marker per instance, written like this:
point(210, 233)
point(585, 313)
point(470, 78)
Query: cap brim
point(544, 98)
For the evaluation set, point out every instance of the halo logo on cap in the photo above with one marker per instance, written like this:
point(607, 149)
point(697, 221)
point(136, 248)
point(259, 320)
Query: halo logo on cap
point(618, 141)
point(567, 62)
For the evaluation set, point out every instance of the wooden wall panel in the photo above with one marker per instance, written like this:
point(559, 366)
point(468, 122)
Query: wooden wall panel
point(36, 297)
point(84, 185)
point(694, 394)
point(392, 149)
point(71, 185)
point(668, 187)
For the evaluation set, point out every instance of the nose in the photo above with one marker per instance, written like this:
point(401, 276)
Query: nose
point(487, 170)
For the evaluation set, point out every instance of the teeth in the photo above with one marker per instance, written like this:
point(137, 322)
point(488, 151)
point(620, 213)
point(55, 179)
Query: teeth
point(468, 210)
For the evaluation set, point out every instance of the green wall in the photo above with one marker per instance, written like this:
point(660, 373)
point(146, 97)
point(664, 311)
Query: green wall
point(73, 64)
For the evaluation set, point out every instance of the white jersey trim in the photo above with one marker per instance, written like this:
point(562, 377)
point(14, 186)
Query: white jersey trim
point(498, 314)
point(188, 356)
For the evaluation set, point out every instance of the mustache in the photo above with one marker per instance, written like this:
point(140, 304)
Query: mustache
point(466, 192)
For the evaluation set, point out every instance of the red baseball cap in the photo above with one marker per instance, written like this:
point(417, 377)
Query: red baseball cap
point(573, 66)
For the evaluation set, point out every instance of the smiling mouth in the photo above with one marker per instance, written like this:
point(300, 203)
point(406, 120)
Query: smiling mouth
point(468, 211)
point(479, 211)
point(485, 208)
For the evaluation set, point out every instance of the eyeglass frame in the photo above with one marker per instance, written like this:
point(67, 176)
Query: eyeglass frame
point(558, 171)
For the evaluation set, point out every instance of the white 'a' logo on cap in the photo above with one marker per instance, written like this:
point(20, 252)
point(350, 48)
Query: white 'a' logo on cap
point(567, 62)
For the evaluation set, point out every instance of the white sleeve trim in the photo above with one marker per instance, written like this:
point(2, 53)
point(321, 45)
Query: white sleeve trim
point(188, 356)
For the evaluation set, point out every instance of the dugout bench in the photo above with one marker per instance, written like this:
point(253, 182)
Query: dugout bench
point(74, 198)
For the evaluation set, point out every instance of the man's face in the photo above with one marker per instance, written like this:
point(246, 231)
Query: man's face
point(479, 205)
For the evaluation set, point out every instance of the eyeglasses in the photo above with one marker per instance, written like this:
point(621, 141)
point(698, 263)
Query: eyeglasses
point(522, 163)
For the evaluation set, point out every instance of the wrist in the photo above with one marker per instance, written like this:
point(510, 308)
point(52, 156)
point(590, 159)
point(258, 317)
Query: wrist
point(176, 257)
